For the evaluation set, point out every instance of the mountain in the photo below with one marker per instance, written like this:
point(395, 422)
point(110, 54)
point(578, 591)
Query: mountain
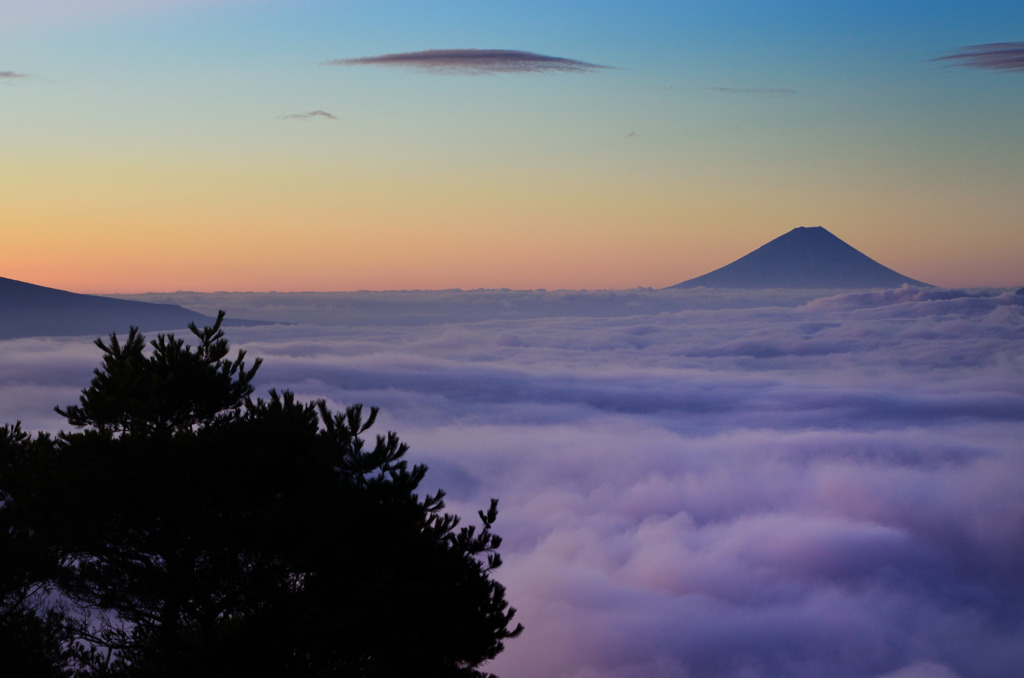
point(806, 257)
point(28, 310)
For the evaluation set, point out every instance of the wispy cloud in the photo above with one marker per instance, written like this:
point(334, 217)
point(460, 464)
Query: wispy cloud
point(767, 91)
point(309, 115)
point(999, 56)
point(11, 75)
point(473, 61)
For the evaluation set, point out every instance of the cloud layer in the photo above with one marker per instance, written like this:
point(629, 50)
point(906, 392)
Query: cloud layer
point(692, 484)
point(11, 75)
point(1002, 56)
point(473, 61)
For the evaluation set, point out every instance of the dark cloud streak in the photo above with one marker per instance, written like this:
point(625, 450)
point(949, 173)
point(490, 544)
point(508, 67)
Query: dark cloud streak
point(308, 116)
point(11, 75)
point(999, 56)
point(473, 62)
point(767, 91)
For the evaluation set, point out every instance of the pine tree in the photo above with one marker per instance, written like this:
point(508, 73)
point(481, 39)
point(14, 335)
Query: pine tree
point(185, 529)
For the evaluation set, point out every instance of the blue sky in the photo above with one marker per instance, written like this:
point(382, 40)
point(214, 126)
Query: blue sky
point(148, 133)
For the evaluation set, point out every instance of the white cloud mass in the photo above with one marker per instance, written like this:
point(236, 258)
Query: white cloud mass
point(693, 484)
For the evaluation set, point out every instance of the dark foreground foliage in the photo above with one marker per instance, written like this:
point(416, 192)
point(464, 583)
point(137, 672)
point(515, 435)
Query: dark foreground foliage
point(185, 529)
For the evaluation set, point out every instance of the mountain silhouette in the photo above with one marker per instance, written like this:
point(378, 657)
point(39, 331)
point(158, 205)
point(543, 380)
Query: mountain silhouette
point(28, 310)
point(806, 257)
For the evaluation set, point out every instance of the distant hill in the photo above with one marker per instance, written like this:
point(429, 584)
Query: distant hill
point(28, 310)
point(806, 257)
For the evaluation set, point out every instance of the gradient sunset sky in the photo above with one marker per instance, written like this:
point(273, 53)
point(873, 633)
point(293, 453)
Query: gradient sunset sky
point(159, 145)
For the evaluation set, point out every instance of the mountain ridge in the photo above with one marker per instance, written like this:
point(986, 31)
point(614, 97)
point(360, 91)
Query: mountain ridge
point(29, 310)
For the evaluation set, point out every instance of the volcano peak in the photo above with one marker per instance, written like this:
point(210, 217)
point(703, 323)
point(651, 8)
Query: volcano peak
point(805, 257)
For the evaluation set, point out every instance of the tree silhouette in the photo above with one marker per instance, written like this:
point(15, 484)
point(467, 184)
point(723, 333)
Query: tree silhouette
point(33, 640)
point(186, 529)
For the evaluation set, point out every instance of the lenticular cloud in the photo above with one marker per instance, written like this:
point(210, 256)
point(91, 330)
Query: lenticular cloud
point(473, 61)
point(759, 486)
point(1002, 56)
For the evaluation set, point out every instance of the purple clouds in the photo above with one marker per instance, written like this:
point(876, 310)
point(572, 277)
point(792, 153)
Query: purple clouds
point(1000, 56)
point(692, 484)
point(11, 75)
point(473, 61)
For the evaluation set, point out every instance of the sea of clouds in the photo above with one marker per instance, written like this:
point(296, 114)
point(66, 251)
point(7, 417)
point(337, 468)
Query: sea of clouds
point(692, 484)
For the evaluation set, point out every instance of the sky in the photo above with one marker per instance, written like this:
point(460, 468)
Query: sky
point(154, 146)
point(691, 484)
